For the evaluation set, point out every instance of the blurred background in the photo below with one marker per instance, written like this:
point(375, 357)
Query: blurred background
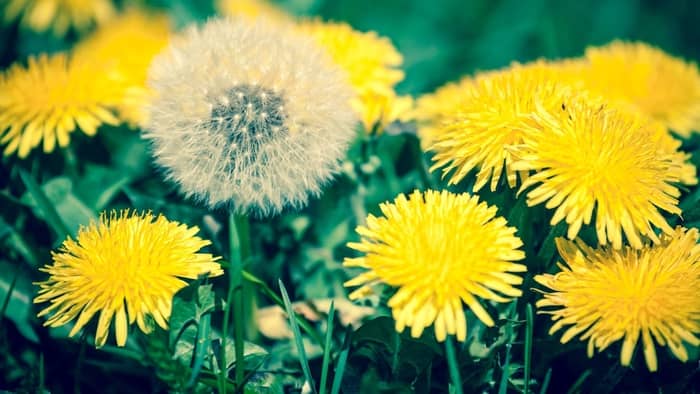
point(444, 39)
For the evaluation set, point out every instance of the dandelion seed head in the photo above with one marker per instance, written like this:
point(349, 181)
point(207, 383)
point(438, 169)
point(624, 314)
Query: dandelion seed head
point(248, 114)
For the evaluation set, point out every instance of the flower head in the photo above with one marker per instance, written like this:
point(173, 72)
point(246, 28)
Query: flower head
point(433, 108)
point(371, 62)
point(489, 119)
point(248, 114)
point(49, 98)
point(606, 295)
point(590, 157)
point(665, 88)
point(127, 267)
point(441, 250)
point(252, 9)
point(125, 46)
point(58, 15)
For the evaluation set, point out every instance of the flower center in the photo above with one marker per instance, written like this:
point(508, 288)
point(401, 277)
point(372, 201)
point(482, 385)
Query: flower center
point(248, 116)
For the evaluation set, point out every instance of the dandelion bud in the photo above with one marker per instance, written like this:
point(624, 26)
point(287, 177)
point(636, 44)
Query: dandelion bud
point(249, 115)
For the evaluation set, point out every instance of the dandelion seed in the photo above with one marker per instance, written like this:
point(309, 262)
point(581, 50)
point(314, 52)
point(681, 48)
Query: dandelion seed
point(127, 267)
point(440, 250)
point(207, 126)
point(606, 295)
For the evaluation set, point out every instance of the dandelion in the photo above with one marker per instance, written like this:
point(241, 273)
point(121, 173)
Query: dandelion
point(660, 86)
point(248, 114)
point(591, 157)
point(128, 268)
point(252, 9)
point(125, 46)
point(372, 63)
point(433, 109)
point(440, 250)
point(49, 99)
point(607, 295)
point(58, 15)
point(479, 131)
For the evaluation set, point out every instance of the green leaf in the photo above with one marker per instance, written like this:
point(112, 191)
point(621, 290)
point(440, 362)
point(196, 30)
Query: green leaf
point(44, 207)
point(129, 152)
point(189, 305)
point(69, 208)
point(100, 184)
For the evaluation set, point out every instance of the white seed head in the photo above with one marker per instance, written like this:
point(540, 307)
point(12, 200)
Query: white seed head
point(248, 114)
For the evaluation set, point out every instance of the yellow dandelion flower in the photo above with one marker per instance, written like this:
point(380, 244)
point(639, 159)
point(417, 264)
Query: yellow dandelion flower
point(607, 295)
point(441, 250)
point(489, 120)
point(432, 108)
point(58, 15)
point(379, 110)
point(251, 9)
point(140, 35)
point(669, 145)
point(663, 87)
point(49, 98)
point(590, 156)
point(372, 66)
point(127, 267)
point(435, 110)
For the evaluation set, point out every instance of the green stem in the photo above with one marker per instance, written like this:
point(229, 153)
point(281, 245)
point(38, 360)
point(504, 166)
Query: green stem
point(395, 356)
point(529, 327)
point(453, 366)
point(389, 170)
point(423, 168)
point(239, 249)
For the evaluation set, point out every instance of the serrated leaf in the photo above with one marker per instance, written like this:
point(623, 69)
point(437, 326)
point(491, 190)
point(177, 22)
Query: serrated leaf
point(189, 305)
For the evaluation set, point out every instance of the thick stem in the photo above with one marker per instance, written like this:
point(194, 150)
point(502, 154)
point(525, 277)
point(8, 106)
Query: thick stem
point(239, 249)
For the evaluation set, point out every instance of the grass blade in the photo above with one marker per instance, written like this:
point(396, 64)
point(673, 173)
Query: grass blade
point(529, 328)
point(503, 385)
point(327, 348)
point(297, 337)
point(265, 289)
point(342, 360)
point(453, 365)
point(576, 387)
point(8, 296)
point(545, 382)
